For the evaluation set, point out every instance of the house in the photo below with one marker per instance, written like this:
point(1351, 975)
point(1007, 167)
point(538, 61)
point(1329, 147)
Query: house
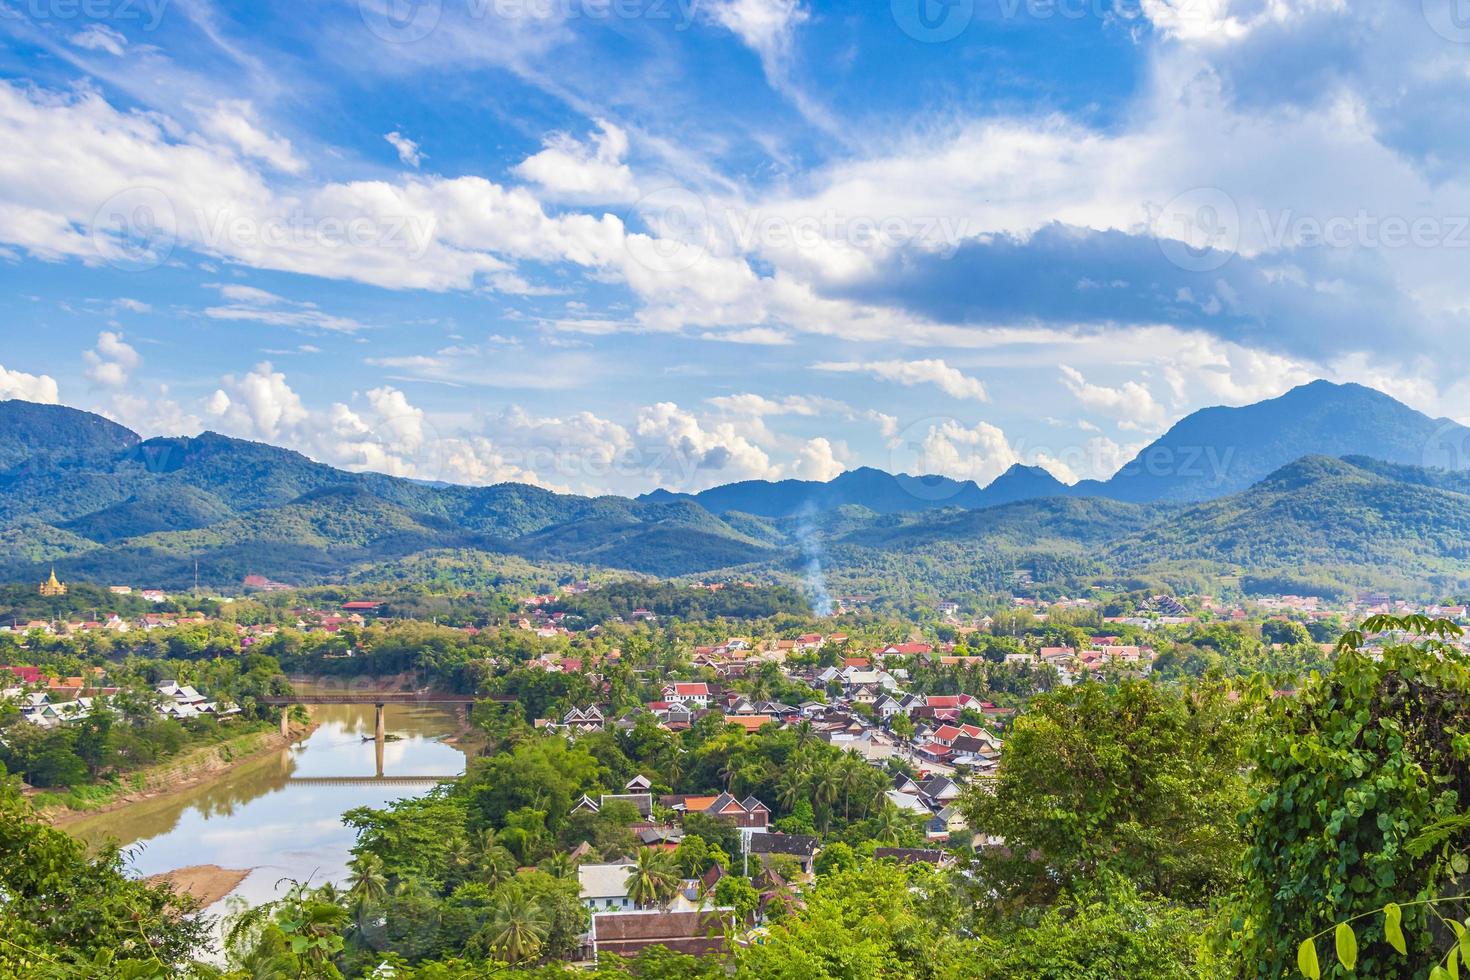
point(579, 720)
point(604, 886)
point(802, 847)
point(749, 813)
point(689, 695)
point(887, 707)
point(908, 802)
point(750, 723)
point(697, 932)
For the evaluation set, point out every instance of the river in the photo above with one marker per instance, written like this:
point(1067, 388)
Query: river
point(269, 817)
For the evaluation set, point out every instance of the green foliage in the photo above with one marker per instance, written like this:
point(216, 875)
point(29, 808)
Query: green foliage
point(1139, 779)
point(733, 891)
point(61, 908)
point(883, 921)
point(1107, 932)
point(1355, 767)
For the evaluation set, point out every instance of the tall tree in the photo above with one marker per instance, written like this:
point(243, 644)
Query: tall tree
point(653, 879)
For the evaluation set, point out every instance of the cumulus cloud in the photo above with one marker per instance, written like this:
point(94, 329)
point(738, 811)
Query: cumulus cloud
point(384, 433)
point(819, 460)
point(594, 170)
point(687, 454)
point(112, 362)
point(1131, 404)
point(931, 371)
point(979, 452)
point(28, 387)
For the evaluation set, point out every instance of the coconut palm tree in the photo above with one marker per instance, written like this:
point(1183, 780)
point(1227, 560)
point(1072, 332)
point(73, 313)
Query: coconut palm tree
point(560, 865)
point(806, 733)
point(496, 865)
point(793, 786)
point(517, 926)
point(368, 885)
point(653, 879)
point(850, 774)
point(888, 823)
point(826, 785)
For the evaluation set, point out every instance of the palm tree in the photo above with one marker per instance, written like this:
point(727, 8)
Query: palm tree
point(560, 865)
point(888, 823)
point(496, 865)
point(411, 888)
point(850, 773)
point(806, 732)
point(653, 879)
point(517, 926)
point(826, 785)
point(673, 763)
point(368, 884)
point(793, 786)
point(729, 769)
point(457, 856)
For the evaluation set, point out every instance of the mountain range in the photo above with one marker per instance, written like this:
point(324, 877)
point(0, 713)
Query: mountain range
point(1325, 488)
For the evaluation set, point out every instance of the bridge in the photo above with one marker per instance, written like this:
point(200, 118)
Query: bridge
point(370, 780)
point(380, 700)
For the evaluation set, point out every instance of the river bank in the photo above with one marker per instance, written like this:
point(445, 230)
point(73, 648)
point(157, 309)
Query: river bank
point(190, 771)
point(280, 814)
point(205, 883)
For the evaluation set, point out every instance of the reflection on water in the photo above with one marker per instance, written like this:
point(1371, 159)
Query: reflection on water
point(257, 817)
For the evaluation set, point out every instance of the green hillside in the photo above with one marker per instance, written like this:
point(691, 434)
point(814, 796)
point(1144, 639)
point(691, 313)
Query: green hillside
point(1322, 518)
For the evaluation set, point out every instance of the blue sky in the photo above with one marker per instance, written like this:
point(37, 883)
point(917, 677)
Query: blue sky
point(607, 245)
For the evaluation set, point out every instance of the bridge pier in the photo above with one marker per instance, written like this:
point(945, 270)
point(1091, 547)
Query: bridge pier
point(379, 732)
point(286, 722)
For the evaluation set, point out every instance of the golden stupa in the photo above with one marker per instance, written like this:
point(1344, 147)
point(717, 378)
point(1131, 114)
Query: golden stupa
point(51, 587)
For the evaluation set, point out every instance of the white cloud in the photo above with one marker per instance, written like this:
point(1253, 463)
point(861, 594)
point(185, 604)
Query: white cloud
point(570, 169)
point(259, 306)
point(818, 460)
point(408, 150)
point(683, 453)
point(28, 387)
point(1131, 404)
point(932, 371)
point(757, 405)
point(259, 404)
point(236, 122)
point(979, 452)
point(111, 364)
point(100, 37)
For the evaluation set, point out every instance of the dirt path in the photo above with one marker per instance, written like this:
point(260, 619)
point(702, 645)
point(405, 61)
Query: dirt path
point(208, 883)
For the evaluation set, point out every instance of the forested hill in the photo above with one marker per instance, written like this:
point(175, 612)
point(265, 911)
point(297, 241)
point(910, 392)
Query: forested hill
point(105, 506)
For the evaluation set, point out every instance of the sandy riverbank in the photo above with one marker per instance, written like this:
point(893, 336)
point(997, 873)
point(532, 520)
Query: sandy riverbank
point(207, 883)
point(198, 768)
